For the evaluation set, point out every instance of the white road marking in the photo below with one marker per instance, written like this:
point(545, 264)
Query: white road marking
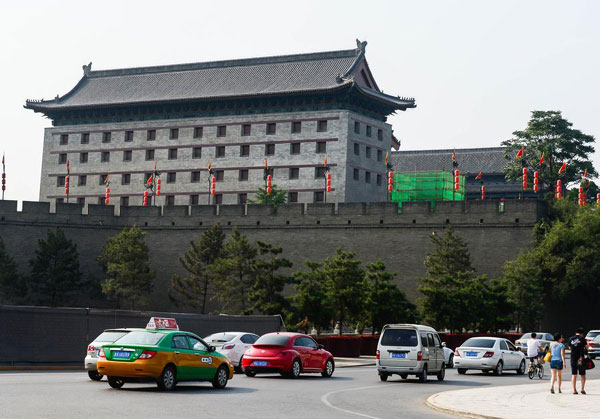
point(326, 402)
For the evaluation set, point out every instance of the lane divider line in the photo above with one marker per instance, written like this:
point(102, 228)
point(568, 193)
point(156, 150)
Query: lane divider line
point(326, 402)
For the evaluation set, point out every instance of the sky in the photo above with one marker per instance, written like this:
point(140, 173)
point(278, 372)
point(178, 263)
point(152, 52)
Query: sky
point(476, 68)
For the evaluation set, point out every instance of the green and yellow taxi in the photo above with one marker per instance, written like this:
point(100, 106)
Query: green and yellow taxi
point(163, 354)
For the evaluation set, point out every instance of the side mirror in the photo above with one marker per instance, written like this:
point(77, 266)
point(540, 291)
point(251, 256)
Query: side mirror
point(320, 346)
point(443, 344)
point(211, 348)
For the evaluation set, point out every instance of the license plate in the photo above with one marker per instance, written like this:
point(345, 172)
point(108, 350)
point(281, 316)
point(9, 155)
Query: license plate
point(121, 354)
point(260, 363)
point(98, 352)
point(471, 353)
point(524, 345)
point(398, 355)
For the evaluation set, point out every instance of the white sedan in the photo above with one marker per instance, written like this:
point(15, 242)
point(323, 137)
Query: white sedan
point(232, 344)
point(489, 354)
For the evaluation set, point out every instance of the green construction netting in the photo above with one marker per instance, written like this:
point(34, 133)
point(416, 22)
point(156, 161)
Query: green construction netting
point(427, 186)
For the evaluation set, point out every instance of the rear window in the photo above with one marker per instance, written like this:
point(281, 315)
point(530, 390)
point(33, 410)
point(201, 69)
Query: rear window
point(219, 337)
point(141, 338)
point(276, 340)
point(399, 337)
point(526, 336)
point(479, 343)
point(110, 336)
point(592, 334)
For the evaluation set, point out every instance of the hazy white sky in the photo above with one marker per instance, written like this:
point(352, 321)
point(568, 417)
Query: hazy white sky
point(476, 68)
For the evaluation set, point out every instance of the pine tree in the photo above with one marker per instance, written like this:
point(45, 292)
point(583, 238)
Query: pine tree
point(312, 301)
point(275, 198)
point(13, 288)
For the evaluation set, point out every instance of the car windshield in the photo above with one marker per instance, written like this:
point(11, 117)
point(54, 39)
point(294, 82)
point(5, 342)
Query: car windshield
point(276, 340)
point(141, 338)
point(399, 337)
point(479, 343)
point(110, 336)
point(219, 337)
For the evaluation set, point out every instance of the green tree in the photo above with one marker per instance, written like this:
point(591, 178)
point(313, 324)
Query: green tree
point(386, 303)
point(198, 261)
point(275, 198)
point(13, 288)
point(266, 291)
point(124, 259)
point(312, 300)
point(235, 269)
point(55, 278)
point(550, 134)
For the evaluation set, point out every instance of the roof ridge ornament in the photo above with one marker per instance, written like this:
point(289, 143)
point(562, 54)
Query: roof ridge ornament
point(87, 69)
point(361, 46)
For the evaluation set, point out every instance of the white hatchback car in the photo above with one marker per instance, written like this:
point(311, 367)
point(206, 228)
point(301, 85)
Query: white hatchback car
point(232, 344)
point(489, 354)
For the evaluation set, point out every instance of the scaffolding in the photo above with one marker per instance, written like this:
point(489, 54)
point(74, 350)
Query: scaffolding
point(427, 186)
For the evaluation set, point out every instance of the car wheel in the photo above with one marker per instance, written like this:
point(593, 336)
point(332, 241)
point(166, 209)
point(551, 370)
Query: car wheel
point(451, 361)
point(296, 368)
point(95, 376)
point(442, 373)
point(329, 368)
point(115, 382)
point(521, 369)
point(249, 372)
point(462, 371)
point(404, 376)
point(499, 369)
point(167, 379)
point(423, 375)
point(383, 376)
point(221, 377)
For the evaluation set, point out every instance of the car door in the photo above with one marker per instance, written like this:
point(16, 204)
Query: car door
point(425, 347)
point(316, 354)
point(304, 351)
point(506, 356)
point(184, 357)
point(205, 363)
point(434, 363)
point(441, 358)
point(514, 354)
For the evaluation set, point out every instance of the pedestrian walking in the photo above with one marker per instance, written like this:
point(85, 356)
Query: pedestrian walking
point(578, 347)
point(557, 361)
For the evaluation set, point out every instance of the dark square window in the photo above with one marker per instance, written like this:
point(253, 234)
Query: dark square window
point(379, 155)
point(60, 200)
point(296, 127)
point(195, 178)
point(151, 135)
point(246, 129)
point(60, 181)
point(85, 138)
point(357, 127)
point(244, 150)
point(356, 149)
point(174, 133)
point(221, 131)
point(319, 196)
point(172, 154)
point(128, 136)
point(242, 198)
point(220, 175)
point(269, 149)
point(321, 147)
point(83, 157)
point(295, 148)
point(125, 179)
point(101, 200)
point(243, 175)
point(82, 180)
point(271, 128)
point(292, 197)
point(62, 158)
point(368, 130)
point(322, 125)
point(355, 174)
point(367, 177)
point(127, 155)
point(379, 180)
point(197, 152)
point(64, 139)
point(197, 133)
point(294, 173)
point(380, 134)
point(171, 177)
point(81, 201)
point(105, 157)
point(106, 136)
point(319, 172)
point(368, 152)
point(149, 155)
point(218, 199)
point(194, 199)
point(102, 179)
point(170, 200)
point(124, 201)
point(220, 151)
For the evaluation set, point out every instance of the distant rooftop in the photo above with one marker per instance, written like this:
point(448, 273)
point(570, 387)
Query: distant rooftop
point(488, 160)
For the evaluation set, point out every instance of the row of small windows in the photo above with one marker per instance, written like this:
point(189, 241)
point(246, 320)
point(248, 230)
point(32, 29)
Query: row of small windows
point(368, 152)
point(321, 147)
point(368, 130)
point(367, 177)
point(198, 132)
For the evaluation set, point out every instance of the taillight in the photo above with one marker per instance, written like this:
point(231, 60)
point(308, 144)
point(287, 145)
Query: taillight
point(419, 356)
point(456, 353)
point(488, 354)
point(377, 354)
point(91, 348)
point(147, 354)
point(229, 346)
point(101, 354)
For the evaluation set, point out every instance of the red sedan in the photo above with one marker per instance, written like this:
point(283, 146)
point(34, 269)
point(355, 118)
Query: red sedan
point(288, 354)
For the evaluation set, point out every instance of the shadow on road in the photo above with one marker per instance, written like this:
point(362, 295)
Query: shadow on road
point(302, 378)
point(188, 389)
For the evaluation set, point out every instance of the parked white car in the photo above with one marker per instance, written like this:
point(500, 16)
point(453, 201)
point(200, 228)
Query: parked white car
point(545, 340)
point(489, 354)
point(232, 344)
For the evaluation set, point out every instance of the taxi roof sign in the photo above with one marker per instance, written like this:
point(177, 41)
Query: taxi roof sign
point(162, 323)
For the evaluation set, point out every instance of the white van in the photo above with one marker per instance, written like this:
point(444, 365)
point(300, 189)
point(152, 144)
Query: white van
point(410, 349)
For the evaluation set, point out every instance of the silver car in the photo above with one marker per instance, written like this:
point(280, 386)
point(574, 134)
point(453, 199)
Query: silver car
point(489, 354)
point(233, 345)
point(545, 340)
point(594, 347)
point(106, 337)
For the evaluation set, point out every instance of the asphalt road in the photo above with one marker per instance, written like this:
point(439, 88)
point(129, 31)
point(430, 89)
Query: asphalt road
point(350, 393)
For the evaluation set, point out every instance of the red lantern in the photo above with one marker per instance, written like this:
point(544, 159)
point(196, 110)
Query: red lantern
point(213, 185)
point(598, 198)
point(328, 182)
point(536, 181)
point(3, 181)
point(483, 192)
point(269, 179)
point(581, 197)
point(524, 178)
point(158, 187)
point(145, 198)
point(559, 189)
point(66, 185)
point(107, 196)
point(456, 180)
point(390, 181)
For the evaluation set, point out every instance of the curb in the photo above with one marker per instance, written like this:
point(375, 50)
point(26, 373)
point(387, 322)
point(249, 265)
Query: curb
point(430, 402)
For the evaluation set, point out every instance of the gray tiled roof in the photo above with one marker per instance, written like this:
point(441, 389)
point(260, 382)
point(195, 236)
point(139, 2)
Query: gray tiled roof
point(220, 79)
point(470, 160)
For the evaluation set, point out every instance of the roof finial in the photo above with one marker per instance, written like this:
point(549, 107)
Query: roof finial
point(361, 46)
point(87, 69)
